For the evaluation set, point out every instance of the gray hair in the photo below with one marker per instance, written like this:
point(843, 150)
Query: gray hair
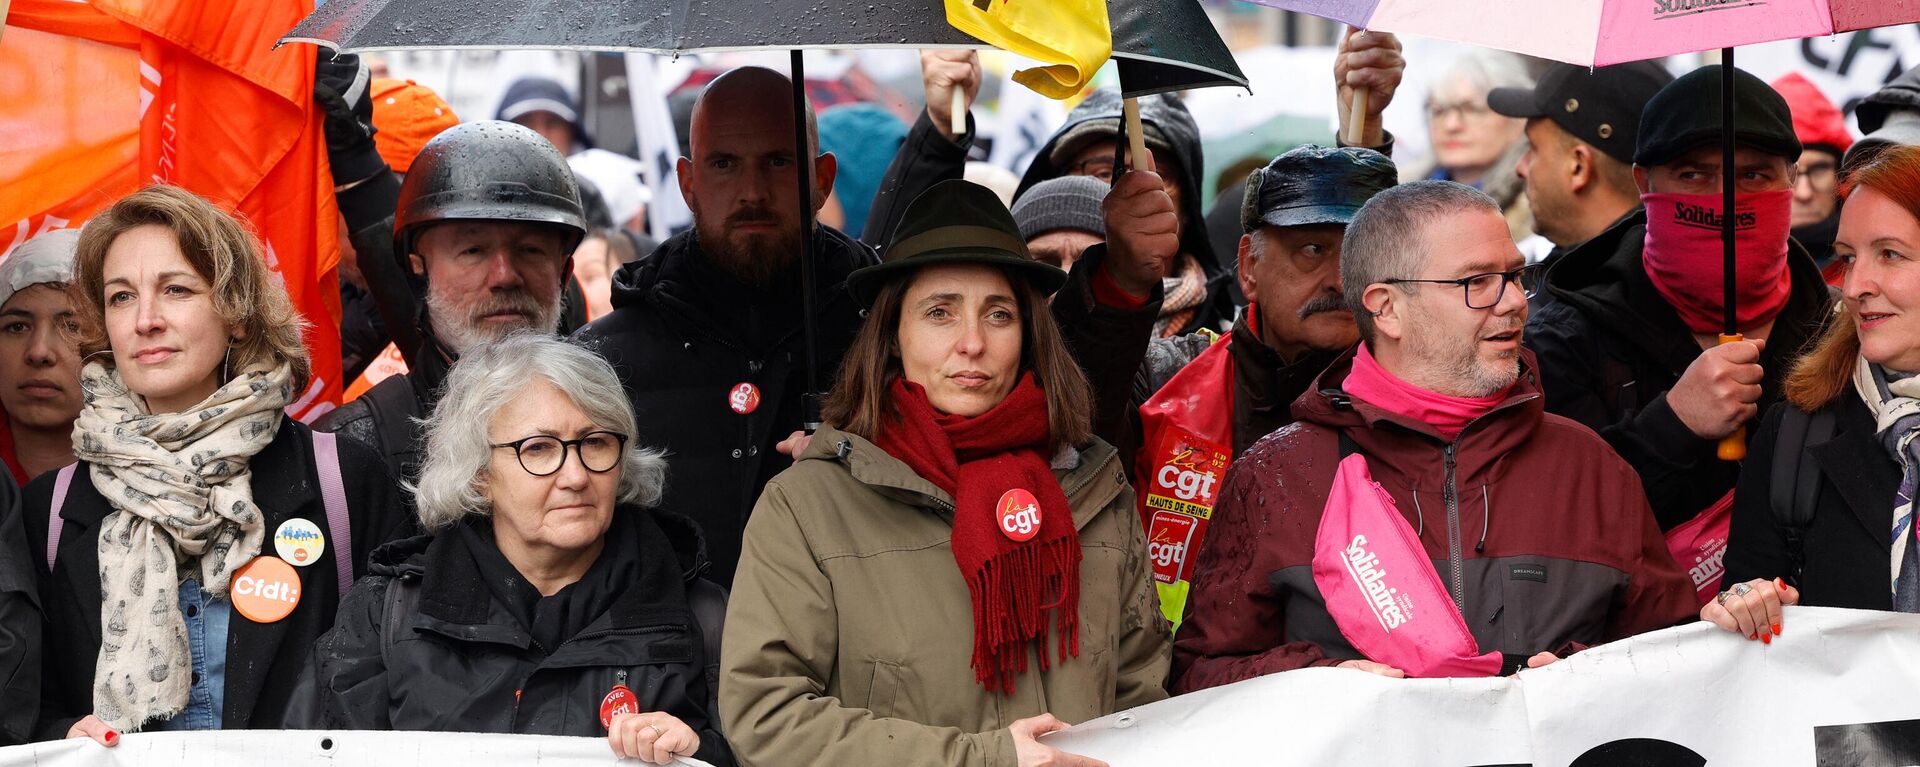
point(453, 480)
point(1484, 70)
point(1385, 240)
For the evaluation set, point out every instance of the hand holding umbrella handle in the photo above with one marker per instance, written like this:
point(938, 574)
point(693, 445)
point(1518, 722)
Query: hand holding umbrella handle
point(1733, 447)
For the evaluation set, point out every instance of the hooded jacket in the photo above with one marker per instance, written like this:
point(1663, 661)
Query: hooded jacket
point(1166, 121)
point(682, 335)
point(1539, 532)
point(927, 158)
point(423, 643)
point(850, 626)
point(1610, 348)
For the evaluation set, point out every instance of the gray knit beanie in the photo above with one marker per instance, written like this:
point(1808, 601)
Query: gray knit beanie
point(1067, 202)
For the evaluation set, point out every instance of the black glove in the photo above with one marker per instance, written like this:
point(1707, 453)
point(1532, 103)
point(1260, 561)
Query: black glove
point(340, 87)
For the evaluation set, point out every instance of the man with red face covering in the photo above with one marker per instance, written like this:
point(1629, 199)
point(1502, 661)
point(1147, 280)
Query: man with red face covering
point(1629, 343)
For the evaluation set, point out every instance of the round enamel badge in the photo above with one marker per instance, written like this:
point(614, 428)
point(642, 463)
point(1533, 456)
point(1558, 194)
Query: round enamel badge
point(299, 542)
point(744, 398)
point(265, 589)
point(619, 700)
point(1019, 514)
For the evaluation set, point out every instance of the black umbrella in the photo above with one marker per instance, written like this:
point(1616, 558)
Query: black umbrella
point(1161, 45)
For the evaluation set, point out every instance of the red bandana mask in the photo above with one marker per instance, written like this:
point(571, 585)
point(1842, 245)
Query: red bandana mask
point(1685, 260)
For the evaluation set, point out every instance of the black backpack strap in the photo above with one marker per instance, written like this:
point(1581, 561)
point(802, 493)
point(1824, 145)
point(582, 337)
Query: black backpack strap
point(1793, 485)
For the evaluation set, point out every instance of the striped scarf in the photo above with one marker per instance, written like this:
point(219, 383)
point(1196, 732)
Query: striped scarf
point(1894, 398)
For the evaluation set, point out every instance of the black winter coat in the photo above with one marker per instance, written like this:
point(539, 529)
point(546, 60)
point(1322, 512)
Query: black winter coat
point(263, 660)
point(1610, 348)
point(1846, 547)
point(423, 644)
point(20, 623)
point(682, 335)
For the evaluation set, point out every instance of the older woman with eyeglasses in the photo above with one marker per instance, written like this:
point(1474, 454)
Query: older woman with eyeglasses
point(548, 598)
point(1470, 142)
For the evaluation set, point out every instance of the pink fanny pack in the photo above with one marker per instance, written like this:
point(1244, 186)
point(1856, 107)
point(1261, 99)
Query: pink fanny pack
point(1381, 588)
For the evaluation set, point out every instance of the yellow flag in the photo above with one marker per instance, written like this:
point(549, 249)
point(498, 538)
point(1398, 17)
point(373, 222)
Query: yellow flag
point(1071, 36)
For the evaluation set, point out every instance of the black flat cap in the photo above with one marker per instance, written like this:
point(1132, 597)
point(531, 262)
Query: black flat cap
point(955, 222)
point(1686, 114)
point(1314, 185)
point(1600, 107)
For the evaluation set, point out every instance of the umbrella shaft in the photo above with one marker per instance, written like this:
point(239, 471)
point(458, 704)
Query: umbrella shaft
point(1727, 180)
point(803, 154)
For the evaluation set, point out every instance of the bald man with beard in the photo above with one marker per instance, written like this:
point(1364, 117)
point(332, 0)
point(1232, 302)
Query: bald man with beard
point(706, 332)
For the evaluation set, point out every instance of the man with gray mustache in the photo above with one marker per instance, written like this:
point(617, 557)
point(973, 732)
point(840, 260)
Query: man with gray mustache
point(1207, 398)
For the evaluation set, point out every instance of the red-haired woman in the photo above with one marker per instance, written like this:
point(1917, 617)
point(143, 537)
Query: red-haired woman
point(1824, 512)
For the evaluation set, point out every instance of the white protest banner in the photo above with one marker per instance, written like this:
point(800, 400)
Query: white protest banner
point(1835, 688)
point(1845, 67)
point(315, 748)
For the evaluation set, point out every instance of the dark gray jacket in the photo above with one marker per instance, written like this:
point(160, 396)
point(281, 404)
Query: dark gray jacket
point(423, 643)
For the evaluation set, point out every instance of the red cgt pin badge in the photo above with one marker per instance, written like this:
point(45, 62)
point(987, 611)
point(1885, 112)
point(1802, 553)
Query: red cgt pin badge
point(743, 398)
point(1019, 514)
point(619, 700)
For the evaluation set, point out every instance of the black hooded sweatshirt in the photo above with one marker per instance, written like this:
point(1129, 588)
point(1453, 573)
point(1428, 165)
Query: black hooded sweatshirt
point(927, 158)
point(1610, 348)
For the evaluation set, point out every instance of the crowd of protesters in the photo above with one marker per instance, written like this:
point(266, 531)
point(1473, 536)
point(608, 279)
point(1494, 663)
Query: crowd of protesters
point(1076, 451)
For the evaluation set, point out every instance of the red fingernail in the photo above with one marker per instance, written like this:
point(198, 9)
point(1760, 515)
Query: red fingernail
point(1780, 583)
point(1766, 638)
point(1776, 629)
point(112, 737)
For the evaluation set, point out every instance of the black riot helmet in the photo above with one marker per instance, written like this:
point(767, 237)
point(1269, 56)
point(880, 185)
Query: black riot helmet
point(488, 171)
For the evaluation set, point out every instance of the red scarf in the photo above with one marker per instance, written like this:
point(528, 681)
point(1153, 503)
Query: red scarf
point(1686, 261)
point(981, 461)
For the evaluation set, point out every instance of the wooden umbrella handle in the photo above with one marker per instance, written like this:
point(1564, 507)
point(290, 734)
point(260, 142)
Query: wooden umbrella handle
point(1733, 447)
point(1357, 118)
point(1136, 135)
point(959, 112)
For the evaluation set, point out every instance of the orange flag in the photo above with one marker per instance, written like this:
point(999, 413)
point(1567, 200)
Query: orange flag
point(185, 92)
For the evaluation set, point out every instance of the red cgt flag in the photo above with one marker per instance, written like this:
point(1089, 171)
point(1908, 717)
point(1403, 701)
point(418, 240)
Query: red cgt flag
point(186, 92)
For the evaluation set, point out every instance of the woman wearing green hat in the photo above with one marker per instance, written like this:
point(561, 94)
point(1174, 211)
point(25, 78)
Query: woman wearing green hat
point(953, 566)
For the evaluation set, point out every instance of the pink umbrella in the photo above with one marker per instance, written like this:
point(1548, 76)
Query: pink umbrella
point(1602, 32)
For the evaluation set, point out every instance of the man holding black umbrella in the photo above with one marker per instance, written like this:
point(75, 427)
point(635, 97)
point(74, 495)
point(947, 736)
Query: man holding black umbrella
point(706, 332)
point(1628, 346)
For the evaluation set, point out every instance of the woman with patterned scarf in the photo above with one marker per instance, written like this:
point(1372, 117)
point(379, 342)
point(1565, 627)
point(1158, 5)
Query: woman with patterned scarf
point(201, 544)
point(952, 567)
point(1824, 511)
